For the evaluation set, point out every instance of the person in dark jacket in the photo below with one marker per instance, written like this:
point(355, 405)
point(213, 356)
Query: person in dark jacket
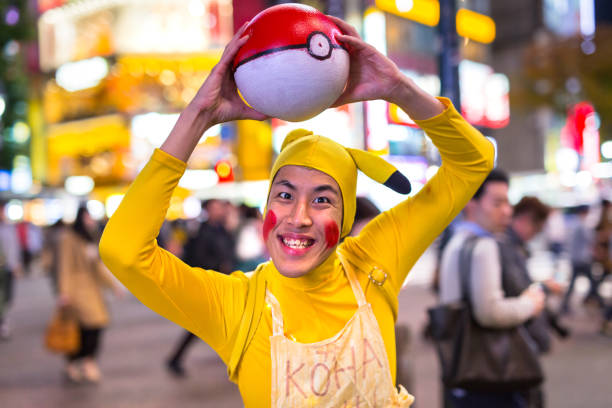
point(528, 220)
point(212, 247)
point(487, 215)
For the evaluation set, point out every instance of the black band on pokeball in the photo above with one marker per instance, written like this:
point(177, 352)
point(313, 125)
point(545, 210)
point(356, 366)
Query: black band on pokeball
point(294, 47)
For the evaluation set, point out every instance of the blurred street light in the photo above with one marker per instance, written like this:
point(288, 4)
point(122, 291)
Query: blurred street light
point(75, 76)
point(14, 210)
point(422, 11)
point(79, 185)
point(475, 26)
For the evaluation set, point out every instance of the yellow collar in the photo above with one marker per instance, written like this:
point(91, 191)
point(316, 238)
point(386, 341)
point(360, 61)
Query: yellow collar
point(320, 275)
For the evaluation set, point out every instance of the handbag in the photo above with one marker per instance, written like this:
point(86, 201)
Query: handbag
point(62, 334)
point(478, 358)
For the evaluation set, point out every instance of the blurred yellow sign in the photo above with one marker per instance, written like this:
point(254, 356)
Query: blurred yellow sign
point(89, 136)
point(470, 24)
point(475, 26)
point(135, 83)
point(254, 149)
point(422, 11)
point(95, 147)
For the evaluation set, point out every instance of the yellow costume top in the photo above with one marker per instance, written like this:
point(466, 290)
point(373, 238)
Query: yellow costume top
point(315, 306)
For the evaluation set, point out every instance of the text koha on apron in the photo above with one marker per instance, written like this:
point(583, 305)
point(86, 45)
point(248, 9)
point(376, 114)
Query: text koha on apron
point(350, 369)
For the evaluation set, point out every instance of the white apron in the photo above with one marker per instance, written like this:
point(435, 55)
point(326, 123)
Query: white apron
point(350, 369)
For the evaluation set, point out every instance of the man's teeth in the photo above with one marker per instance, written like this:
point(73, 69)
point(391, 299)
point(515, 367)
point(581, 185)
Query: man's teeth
point(297, 243)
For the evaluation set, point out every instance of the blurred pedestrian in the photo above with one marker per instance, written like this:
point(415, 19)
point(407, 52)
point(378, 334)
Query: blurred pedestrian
point(250, 246)
point(177, 238)
point(603, 232)
point(606, 324)
point(51, 251)
point(555, 234)
point(440, 244)
point(528, 219)
point(30, 240)
point(319, 305)
point(81, 280)
point(602, 261)
point(603, 257)
point(10, 268)
point(494, 305)
point(365, 211)
point(581, 240)
point(213, 248)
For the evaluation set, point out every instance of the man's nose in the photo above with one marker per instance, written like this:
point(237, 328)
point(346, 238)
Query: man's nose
point(300, 215)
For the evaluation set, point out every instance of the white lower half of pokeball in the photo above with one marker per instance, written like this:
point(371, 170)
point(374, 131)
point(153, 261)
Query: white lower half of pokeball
point(292, 85)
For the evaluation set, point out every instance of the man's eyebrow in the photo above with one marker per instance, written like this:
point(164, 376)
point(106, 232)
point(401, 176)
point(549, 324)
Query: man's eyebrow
point(285, 183)
point(318, 189)
point(326, 187)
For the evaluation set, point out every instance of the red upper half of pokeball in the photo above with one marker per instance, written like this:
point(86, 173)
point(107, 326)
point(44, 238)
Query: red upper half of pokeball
point(284, 25)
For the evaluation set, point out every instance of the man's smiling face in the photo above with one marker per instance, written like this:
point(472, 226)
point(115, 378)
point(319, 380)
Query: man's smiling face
point(303, 219)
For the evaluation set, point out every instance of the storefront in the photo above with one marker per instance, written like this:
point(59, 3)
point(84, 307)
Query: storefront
point(407, 32)
point(119, 72)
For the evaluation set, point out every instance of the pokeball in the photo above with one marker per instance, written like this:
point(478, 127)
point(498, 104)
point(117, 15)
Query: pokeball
point(292, 67)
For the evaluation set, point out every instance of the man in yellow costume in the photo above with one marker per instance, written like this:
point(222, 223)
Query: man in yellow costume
point(314, 326)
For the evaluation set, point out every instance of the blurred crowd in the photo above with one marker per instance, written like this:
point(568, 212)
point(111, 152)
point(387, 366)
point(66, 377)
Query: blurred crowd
point(227, 237)
point(577, 236)
point(483, 262)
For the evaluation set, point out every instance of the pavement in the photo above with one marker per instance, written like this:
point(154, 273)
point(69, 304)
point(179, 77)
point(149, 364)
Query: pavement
point(138, 341)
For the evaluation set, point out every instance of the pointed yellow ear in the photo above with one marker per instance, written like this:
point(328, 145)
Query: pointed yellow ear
point(294, 135)
point(380, 170)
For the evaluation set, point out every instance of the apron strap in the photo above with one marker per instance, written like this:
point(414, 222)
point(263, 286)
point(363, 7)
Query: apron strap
point(255, 304)
point(277, 315)
point(357, 290)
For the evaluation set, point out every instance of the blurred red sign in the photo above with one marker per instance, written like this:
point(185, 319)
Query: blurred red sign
point(224, 171)
point(581, 133)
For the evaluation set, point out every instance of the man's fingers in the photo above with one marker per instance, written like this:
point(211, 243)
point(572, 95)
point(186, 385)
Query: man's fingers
point(238, 37)
point(353, 42)
point(244, 26)
point(239, 33)
point(250, 113)
point(231, 50)
point(235, 43)
point(345, 27)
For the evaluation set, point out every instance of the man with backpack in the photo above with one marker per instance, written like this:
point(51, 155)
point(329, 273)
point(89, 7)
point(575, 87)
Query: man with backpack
point(487, 214)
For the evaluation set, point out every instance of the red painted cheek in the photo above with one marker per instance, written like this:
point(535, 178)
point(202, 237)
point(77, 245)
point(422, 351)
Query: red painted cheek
point(269, 223)
point(332, 234)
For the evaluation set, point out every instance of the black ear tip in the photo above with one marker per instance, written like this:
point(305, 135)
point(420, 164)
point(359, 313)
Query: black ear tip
point(399, 183)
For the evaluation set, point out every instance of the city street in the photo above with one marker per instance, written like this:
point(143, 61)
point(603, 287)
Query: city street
point(257, 129)
point(138, 341)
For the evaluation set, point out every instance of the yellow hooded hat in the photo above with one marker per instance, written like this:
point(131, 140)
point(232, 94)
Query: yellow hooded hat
point(303, 148)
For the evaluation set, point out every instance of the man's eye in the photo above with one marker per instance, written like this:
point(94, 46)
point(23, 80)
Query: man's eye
point(284, 196)
point(321, 200)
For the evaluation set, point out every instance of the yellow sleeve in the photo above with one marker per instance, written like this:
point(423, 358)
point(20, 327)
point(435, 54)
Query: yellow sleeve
point(207, 303)
point(396, 238)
